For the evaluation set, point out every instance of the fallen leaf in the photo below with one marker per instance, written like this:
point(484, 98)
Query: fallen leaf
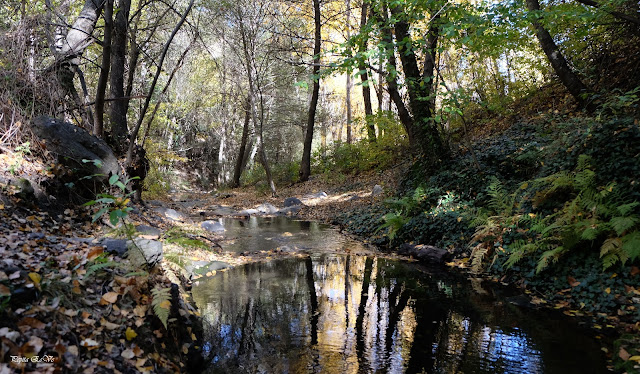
point(4, 290)
point(635, 271)
point(35, 278)
point(73, 350)
point(109, 298)
point(108, 325)
point(95, 252)
point(634, 358)
point(608, 290)
point(130, 334)
point(32, 347)
point(128, 354)
point(623, 354)
point(572, 281)
point(32, 322)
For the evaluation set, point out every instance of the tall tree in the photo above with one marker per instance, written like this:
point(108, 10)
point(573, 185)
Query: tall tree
point(580, 92)
point(364, 75)
point(423, 131)
point(118, 105)
point(349, 82)
point(305, 166)
point(98, 128)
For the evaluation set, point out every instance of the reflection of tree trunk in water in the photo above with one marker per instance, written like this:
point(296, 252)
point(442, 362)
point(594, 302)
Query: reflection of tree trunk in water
point(347, 275)
point(368, 267)
point(395, 309)
point(243, 347)
point(424, 336)
point(314, 301)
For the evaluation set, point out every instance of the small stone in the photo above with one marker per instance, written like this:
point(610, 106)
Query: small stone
point(213, 226)
point(267, 208)
point(377, 190)
point(291, 201)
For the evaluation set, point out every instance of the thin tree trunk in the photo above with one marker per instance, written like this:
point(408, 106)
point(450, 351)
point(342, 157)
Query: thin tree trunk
point(580, 92)
point(349, 83)
point(262, 155)
point(98, 128)
point(118, 108)
point(313, 299)
point(240, 162)
point(392, 84)
point(364, 77)
point(305, 166)
point(134, 133)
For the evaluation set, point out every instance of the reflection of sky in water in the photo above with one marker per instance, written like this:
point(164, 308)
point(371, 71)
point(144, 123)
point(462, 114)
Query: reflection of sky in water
point(261, 316)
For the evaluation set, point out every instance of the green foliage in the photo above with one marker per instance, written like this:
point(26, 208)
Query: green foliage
point(360, 156)
point(114, 205)
point(99, 263)
point(591, 216)
point(184, 239)
point(160, 177)
point(161, 303)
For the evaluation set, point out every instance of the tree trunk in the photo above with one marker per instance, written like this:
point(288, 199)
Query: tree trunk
point(305, 167)
point(262, 155)
point(349, 83)
point(240, 162)
point(364, 77)
point(80, 36)
point(313, 298)
point(420, 84)
point(98, 128)
point(569, 79)
point(392, 84)
point(118, 107)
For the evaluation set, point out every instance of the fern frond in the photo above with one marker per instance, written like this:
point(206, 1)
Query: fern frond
point(631, 245)
point(547, 257)
point(625, 209)
point(622, 224)
point(477, 255)
point(95, 267)
point(161, 303)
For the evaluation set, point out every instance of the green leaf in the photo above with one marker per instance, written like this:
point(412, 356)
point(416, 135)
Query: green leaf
point(99, 214)
point(113, 179)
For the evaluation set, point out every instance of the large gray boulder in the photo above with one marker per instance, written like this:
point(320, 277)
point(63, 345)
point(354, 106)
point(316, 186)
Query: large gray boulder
point(150, 249)
point(73, 144)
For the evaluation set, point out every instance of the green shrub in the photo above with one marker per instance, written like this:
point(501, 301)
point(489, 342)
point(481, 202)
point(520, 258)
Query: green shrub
point(360, 156)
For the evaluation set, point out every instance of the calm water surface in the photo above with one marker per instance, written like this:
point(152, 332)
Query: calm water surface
point(356, 313)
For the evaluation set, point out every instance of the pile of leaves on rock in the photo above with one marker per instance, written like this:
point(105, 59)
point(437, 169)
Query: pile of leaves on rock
point(67, 305)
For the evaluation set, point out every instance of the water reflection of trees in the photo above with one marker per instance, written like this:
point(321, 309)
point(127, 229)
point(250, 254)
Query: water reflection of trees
point(354, 314)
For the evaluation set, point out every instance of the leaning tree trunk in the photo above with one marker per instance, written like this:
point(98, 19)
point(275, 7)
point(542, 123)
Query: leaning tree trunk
point(77, 39)
point(305, 166)
point(569, 79)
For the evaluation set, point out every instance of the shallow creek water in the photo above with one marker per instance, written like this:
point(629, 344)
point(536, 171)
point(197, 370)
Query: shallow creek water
point(340, 309)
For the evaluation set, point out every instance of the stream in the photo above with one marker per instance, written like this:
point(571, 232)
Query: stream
point(339, 308)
